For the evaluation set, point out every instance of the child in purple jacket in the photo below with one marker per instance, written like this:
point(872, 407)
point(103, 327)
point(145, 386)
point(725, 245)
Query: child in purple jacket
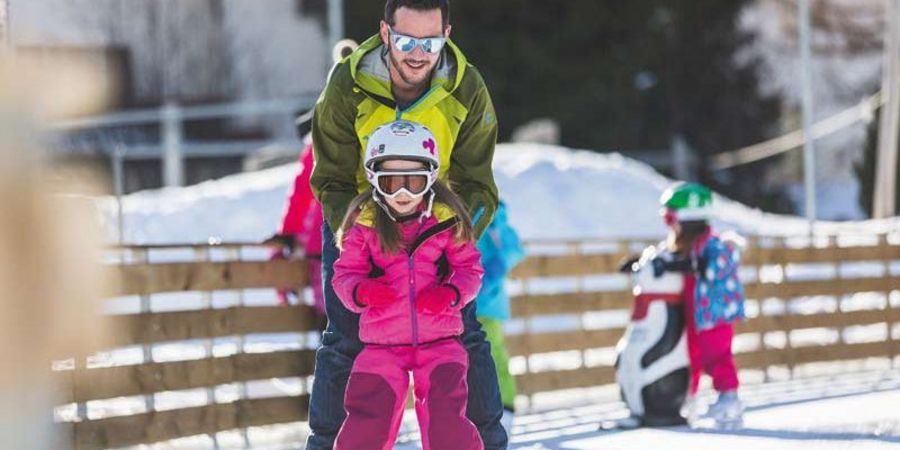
point(408, 265)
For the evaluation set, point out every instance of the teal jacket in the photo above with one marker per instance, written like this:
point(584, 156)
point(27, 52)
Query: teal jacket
point(501, 250)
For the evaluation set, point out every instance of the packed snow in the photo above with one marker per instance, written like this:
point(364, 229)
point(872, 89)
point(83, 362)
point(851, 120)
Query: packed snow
point(552, 193)
point(852, 410)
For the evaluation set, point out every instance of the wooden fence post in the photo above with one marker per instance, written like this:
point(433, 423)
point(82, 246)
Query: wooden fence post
point(790, 354)
point(888, 308)
point(201, 255)
point(526, 332)
point(753, 243)
point(244, 393)
point(577, 249)
point(832, 244)
point(143, 257)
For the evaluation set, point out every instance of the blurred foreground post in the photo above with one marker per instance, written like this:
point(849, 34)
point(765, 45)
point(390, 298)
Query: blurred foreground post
point(50, 269)
point(4, 23)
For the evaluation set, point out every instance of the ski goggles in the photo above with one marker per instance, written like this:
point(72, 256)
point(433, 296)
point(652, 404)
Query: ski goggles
point(414, 183)
point(407, 44)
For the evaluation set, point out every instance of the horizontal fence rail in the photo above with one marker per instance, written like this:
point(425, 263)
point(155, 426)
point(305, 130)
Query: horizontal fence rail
point(577, 261)
point(554, 285)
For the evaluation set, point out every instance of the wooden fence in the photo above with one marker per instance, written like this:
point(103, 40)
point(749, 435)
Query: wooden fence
point(562, 281)
point(774, 255)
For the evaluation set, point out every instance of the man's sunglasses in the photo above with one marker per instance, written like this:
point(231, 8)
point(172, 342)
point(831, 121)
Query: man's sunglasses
point(407, 44)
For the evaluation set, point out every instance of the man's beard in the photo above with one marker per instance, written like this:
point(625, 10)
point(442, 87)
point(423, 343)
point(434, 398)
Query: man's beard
point(412, 82)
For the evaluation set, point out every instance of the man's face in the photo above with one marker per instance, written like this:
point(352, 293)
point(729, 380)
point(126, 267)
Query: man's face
point(413, 68)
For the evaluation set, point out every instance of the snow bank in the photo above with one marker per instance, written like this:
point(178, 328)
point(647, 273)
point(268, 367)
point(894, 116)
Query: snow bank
point(552, 193)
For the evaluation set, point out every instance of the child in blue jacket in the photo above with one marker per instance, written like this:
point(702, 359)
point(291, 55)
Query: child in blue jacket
point(501, 250)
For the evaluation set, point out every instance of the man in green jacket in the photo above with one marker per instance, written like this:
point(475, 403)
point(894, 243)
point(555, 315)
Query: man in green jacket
point(412, 71)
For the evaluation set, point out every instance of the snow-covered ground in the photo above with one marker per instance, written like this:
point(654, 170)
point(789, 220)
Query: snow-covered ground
point(842, 411)
point(852, 410)
point(552, 193)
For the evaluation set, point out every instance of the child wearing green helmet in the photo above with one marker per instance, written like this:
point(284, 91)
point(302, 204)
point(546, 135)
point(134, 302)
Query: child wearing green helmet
point(714, 296)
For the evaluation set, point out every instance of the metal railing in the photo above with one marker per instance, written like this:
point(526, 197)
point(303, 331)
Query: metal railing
point(171, 118)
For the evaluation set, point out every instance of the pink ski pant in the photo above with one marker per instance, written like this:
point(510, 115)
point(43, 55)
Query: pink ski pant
point(376, 396)
point(709, 350)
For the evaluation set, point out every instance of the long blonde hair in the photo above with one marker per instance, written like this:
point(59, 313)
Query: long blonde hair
point(386, 228)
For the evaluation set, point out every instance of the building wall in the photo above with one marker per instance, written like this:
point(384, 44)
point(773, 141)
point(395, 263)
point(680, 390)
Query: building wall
point(189, 50)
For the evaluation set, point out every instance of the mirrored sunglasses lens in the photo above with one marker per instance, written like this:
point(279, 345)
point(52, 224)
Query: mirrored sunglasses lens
point(432, 45)
point(404, 44)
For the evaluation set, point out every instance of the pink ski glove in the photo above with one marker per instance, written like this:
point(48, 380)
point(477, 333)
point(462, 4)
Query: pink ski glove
point(436, 299)
point(372, 292)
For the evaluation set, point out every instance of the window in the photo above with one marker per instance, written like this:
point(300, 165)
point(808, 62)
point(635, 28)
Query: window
point(312, 9)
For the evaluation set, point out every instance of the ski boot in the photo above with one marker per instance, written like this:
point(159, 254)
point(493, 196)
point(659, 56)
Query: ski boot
point(691, 410)
point(727, 411)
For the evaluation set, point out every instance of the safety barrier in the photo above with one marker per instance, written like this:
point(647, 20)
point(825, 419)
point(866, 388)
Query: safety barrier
point(570, 306)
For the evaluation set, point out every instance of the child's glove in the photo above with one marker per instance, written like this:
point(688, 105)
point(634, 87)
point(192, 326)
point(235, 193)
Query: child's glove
point(659, 267)
point(372, 292)
point(626, 264)
point(281, 250)
point(437, 298)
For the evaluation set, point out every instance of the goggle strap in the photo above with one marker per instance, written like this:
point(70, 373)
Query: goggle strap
point(427, 213)
point(380, 203)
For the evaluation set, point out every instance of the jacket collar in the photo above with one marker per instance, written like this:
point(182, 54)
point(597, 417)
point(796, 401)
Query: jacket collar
point(701, 241)
point(440, 211)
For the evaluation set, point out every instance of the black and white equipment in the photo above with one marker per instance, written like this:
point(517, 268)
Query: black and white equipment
point(652, 366)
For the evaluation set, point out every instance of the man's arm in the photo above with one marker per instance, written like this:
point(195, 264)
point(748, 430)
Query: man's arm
point(471, 175)
point(336, 148)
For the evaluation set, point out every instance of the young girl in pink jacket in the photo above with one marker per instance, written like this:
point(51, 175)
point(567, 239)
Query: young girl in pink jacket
point(408, 265)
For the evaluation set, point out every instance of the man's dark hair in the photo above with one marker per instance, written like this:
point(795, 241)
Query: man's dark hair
point(391, 7)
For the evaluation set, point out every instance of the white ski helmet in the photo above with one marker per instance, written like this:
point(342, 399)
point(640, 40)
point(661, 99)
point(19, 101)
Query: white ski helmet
point(402, 139)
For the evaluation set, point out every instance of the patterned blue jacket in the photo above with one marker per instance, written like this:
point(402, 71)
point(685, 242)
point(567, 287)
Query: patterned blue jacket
point(718, 294)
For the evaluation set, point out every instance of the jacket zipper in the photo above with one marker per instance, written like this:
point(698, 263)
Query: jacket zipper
point(412, 301)
point(412, 288)
point(415, 103)
point(412, 274)
point(393, 104)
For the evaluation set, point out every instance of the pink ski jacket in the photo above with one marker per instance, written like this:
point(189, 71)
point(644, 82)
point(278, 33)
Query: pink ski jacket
point(302, 212)
point(431, 257)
